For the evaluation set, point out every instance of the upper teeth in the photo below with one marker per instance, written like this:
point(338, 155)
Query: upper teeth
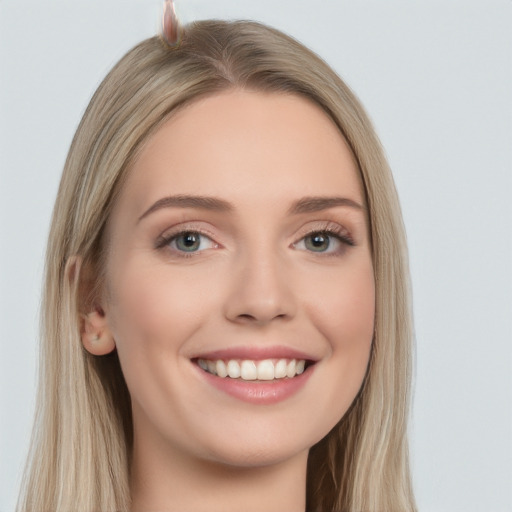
point(267, 369)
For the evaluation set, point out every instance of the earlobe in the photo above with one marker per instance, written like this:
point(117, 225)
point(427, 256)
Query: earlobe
point(95, 333)
point(94, 330)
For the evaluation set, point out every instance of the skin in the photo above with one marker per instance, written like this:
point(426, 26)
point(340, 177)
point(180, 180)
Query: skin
point(253, 281)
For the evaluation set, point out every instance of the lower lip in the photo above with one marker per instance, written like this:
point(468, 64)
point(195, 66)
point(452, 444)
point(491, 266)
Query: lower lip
point(259, 392)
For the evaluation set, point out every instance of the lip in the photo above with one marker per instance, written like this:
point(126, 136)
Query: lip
point(256, 392)
point(255, 353)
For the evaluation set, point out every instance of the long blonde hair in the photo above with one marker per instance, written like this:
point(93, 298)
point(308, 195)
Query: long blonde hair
point(80, 451)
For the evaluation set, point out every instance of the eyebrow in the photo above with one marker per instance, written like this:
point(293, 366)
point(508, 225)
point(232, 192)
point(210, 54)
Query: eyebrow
point(183, 201)
point(316, 204)
point(304, 205)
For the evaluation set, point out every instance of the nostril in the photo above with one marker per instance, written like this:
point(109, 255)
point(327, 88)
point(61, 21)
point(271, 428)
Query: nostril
point(246, 316)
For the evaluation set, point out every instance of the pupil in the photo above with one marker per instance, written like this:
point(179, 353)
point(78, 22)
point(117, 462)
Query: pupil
point(188, 241)
point(318, 242)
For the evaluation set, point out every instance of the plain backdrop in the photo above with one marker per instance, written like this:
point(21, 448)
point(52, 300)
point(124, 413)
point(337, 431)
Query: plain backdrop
point(436, 78)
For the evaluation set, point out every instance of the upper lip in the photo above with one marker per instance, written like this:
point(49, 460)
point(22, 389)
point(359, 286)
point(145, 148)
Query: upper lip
point(255, 353)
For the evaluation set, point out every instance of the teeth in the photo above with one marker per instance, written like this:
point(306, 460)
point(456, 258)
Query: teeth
point(220, 368)
point(291, 369)
point(211, 367)
point(280, 369)
point(248, 370)
point(267, 369)
point(233, 369)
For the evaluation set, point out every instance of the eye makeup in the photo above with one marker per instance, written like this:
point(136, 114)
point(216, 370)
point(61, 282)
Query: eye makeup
point(325, 238)
point(186, 240)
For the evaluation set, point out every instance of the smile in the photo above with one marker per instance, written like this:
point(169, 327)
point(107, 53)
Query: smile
point(254, 370)
point(256, 374)
point(256, 381)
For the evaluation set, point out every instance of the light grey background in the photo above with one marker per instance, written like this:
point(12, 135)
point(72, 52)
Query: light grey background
point(436, 78)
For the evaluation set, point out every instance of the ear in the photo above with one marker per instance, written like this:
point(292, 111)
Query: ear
point(95, 333)
point(94, 329)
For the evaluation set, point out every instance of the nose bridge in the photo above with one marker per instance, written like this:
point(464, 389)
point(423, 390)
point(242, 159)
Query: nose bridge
point(261, 288)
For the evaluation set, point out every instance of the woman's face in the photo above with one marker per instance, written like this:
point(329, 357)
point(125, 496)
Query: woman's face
point(239, 244)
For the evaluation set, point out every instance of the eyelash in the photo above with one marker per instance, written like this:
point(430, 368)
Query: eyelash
point(330, 230)
point(164, 241)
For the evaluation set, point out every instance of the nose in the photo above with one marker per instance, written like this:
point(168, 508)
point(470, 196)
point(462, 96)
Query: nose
point(261, 290)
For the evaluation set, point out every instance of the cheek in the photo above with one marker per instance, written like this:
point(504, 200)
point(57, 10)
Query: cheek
point(344, 314)
point(345, 309)
point(149, 305)
point(151, 314)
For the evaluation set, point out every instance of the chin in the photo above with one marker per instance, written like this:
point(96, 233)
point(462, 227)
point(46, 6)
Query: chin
point(256, 450)
point(254, 457)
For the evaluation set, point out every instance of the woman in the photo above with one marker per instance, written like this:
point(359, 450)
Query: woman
point(226, 313)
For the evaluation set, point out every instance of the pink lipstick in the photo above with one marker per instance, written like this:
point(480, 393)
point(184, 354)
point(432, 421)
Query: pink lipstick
point(259, 375)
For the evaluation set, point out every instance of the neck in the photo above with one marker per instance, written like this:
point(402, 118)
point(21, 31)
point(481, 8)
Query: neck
point(165, 482)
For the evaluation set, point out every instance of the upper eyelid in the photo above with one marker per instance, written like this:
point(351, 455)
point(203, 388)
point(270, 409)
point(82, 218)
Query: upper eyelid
point(324, 226)
point(184, 227)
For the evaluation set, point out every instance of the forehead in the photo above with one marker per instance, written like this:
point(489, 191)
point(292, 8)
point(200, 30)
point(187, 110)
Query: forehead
point(245, 144)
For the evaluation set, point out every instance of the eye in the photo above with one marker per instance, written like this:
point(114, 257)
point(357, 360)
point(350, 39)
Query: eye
point(189, 242)
point(324, 242)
